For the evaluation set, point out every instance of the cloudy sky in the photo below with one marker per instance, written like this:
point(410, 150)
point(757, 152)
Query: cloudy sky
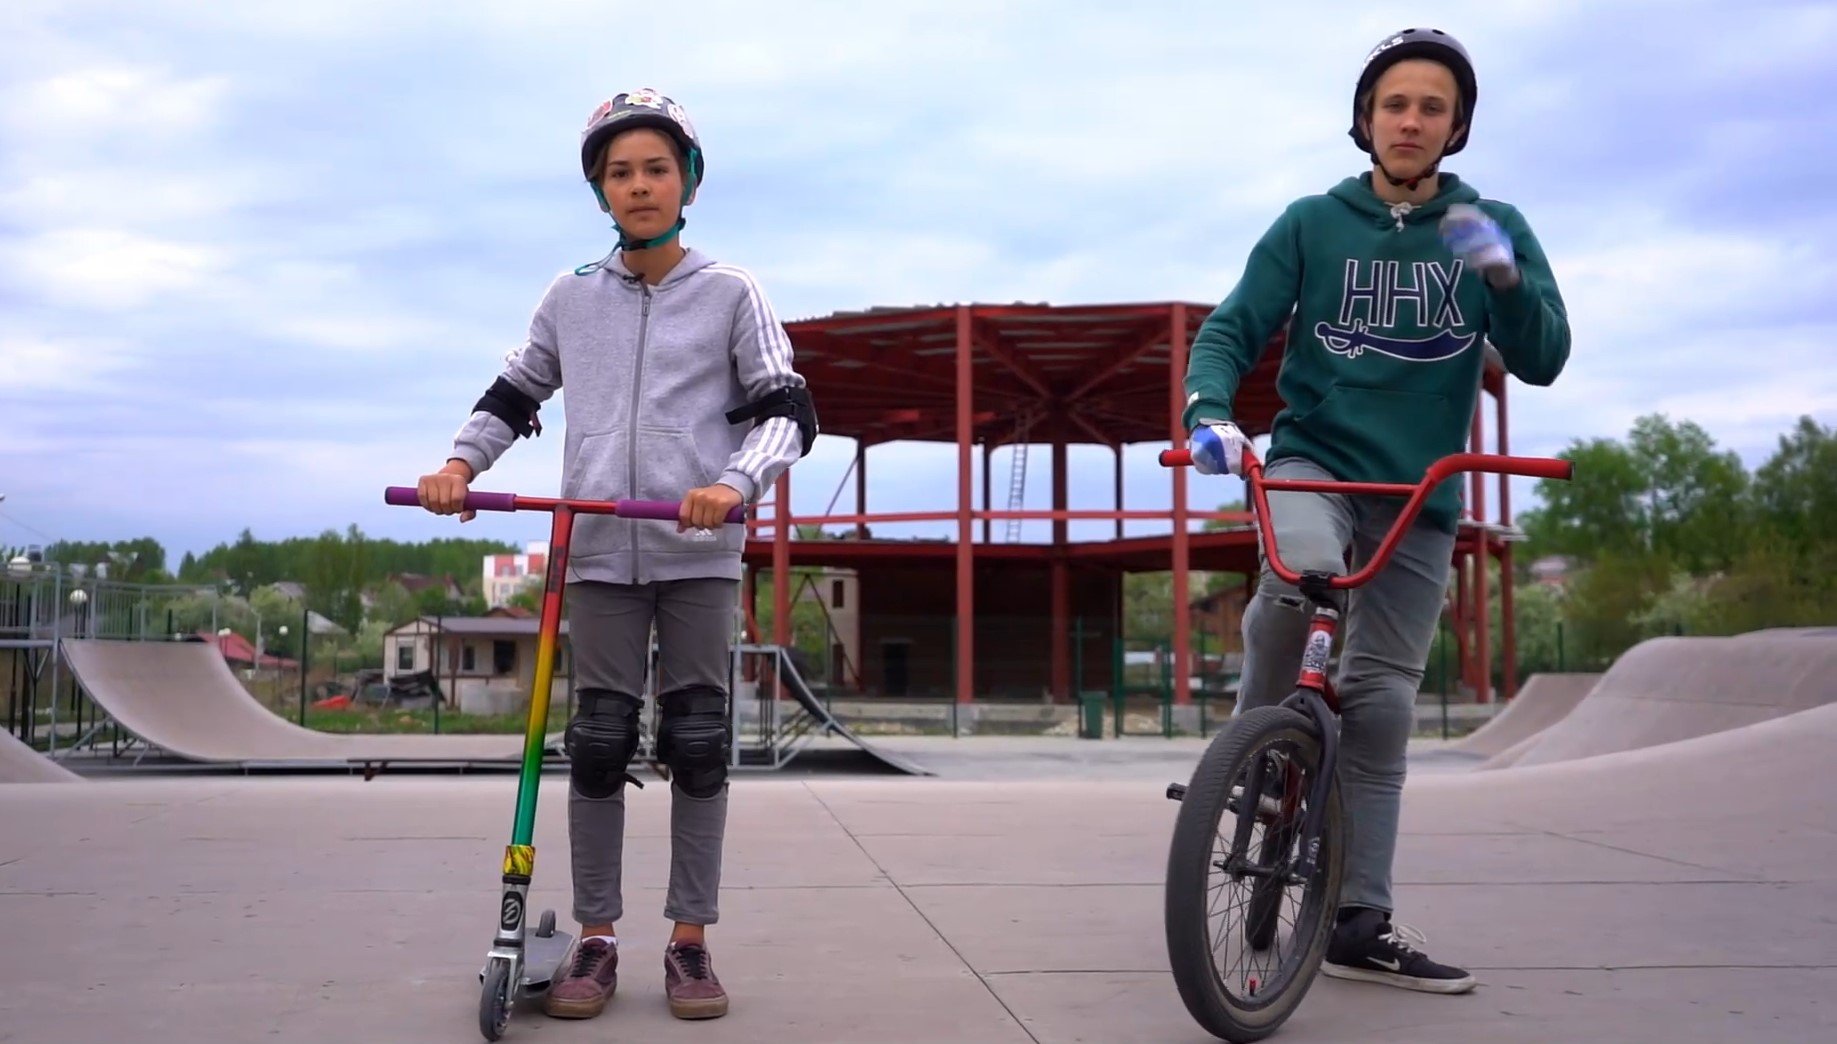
point(258, 259)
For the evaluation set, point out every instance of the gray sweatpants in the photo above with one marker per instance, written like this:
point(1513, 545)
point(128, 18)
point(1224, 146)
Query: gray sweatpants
point(1386, 635)
point(609, 628)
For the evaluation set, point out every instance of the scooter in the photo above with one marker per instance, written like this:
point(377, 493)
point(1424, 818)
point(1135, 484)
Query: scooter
point(520, 963)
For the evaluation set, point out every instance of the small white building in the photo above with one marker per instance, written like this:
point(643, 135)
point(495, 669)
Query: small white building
point(505, 575)
point(487, 663)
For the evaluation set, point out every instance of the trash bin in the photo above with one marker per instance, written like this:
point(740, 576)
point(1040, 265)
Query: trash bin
point(1090, 714)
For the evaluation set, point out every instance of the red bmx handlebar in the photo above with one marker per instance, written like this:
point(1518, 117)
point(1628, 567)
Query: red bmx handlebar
point(1417, 492)
point(665, 510)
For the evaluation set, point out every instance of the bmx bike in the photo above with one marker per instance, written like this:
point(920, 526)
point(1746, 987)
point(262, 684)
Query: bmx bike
point(519, 962)
point(1262, 808)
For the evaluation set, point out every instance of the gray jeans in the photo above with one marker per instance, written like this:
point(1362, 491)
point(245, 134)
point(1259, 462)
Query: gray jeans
point(609, 630)
point(1385, 639)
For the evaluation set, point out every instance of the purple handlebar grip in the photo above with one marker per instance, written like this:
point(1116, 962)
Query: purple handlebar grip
point(666, 510)
point(408, 496)
point(491, 501)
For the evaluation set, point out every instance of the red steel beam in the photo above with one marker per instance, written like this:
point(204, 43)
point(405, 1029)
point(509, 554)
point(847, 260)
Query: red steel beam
point(1107, 367)
point(966, 574)
point(984, 338)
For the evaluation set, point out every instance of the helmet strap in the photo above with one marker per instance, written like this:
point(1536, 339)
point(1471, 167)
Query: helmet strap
point(1409, 183)
point(629, 242)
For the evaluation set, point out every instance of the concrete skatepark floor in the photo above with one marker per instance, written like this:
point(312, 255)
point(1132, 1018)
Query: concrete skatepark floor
point(1678, 893)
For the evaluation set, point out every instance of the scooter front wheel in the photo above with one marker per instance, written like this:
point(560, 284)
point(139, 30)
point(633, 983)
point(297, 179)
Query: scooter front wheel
point(494, 999)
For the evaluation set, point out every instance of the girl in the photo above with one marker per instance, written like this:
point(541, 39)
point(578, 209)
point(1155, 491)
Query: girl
point(665, 353)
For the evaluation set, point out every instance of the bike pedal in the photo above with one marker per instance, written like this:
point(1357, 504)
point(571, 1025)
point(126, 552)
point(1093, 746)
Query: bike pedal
point(1176, 791)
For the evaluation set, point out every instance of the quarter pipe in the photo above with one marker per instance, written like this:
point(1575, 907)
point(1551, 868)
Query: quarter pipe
point(21, 764)
point(180, 698)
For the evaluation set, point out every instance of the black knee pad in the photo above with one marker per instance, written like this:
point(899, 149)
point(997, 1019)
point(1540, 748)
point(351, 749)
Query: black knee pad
point(601, 741)
point(695, 739)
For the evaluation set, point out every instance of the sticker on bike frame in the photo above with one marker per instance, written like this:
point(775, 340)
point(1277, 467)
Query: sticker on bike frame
point(1320, 647)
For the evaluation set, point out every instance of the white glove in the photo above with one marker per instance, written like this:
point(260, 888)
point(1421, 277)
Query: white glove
point(1478, 240)
point(1218, 448)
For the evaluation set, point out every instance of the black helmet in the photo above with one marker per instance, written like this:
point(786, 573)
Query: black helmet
point(1436, 46)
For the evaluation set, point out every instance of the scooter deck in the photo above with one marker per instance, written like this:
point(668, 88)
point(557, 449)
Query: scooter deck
point(542, 957)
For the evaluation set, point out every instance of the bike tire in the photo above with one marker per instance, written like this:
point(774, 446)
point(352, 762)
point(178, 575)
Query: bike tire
point(1189, 865)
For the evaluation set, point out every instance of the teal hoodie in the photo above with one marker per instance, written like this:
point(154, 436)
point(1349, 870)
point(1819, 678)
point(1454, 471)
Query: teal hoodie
point(1386, 334)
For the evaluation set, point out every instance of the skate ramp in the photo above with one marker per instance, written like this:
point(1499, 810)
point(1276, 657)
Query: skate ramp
point(818, 720)
point(21, 764)
point(1668, 689)
point(1544, 700)
point(182, 698)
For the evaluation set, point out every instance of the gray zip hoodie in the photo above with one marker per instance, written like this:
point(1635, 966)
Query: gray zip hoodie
point(651, 372)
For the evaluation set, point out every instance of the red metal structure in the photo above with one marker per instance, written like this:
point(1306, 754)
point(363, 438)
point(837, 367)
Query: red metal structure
point(987, 375)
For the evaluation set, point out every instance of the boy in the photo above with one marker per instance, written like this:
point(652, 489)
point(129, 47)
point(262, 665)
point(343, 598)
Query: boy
point(1379, 378)
point(665, 352)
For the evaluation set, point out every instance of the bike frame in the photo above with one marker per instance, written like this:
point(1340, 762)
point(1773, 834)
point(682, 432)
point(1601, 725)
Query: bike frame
point(520, 854)
point(1314, 695)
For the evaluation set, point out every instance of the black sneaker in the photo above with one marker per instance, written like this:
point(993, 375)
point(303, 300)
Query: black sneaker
point(1369, 948)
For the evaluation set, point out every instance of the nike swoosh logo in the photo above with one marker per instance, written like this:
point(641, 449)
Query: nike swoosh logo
point(1393, 964)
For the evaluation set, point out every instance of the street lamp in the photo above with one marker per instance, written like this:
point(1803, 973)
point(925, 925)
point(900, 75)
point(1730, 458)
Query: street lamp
point(78, 598)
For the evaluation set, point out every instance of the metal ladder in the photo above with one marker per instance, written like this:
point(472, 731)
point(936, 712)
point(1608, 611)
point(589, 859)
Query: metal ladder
point(1017, 477)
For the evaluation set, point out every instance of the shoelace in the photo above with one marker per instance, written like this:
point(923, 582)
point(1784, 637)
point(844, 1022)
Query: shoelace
point(585, 958)
point(694, 960)
point(1402, 936)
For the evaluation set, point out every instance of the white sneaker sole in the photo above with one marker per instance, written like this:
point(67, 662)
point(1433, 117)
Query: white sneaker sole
point(1408, 982)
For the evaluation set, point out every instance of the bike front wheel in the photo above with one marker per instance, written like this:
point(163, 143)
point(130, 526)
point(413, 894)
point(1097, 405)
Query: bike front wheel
point(1245, 934)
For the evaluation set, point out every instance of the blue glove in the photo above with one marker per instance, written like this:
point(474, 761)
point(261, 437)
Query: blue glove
point(1217, 448)
point(1478, 240)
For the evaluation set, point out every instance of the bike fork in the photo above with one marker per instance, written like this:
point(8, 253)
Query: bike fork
point(1310, 698)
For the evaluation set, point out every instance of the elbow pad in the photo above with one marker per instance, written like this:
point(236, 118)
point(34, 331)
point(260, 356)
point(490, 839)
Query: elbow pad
point(788, 401)
point(508, 403)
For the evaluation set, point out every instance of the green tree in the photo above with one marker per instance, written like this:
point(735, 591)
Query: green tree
point(1795, 490)
point(1602, 509)
point(1695, 509)
point(1666, 491)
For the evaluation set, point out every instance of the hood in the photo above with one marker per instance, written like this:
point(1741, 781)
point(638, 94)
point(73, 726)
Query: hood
point(613, 264)
point(1356, 193)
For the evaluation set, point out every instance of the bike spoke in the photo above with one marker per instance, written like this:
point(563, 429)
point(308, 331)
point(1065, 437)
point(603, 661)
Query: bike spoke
point(1231, 905)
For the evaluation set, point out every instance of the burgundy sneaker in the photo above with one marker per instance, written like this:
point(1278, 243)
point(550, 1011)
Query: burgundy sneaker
point(583, 986)
point(688, 977)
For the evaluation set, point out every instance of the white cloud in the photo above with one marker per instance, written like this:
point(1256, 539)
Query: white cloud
point(117, 105)
point(109, 269)
point(36, 366)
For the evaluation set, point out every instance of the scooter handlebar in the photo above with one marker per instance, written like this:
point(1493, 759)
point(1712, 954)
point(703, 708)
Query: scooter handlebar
point(408, 496)
point(663, 510)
